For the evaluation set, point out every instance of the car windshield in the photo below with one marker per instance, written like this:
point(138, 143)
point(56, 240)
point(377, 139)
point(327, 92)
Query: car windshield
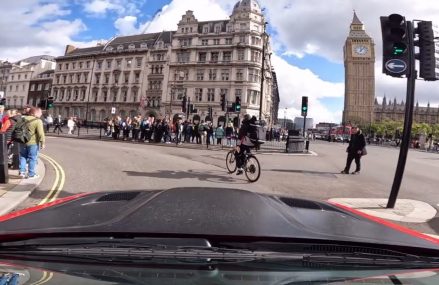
point(242, 123)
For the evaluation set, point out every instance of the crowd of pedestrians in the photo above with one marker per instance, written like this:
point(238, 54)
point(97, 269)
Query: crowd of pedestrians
point(150, 129)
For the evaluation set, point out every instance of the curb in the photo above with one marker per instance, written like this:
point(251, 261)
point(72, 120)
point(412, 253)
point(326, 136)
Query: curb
point(14, 197)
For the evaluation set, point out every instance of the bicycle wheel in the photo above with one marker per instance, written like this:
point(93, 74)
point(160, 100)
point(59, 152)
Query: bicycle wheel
point(252, 169)
point(231, 161)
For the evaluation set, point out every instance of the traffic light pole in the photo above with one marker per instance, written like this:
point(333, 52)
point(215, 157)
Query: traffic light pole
point(408, 120)
point(304, 125)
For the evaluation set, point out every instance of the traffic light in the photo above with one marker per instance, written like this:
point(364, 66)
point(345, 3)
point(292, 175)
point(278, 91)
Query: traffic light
point(238, 104)
point(49, 103)
point(191, 109)
point(184, 104)
point(396, 57)
point(428, 53)
point(223, 102)
point(304, 106)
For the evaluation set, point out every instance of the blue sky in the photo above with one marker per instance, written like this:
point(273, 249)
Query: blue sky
point(307, 37)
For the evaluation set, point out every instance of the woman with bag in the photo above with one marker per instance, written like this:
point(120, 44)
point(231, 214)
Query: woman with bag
point(355, 150)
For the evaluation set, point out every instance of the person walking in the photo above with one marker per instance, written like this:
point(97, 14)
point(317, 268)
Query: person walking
point(179, 131)
point(58, 123)
point(229, 133)
point(29, 151)
point(209, 133)
point(219, 133)
point(49, 122)
point(355, 150)
point(70, 125)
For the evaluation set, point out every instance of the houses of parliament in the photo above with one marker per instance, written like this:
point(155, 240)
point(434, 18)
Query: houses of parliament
point(360, 103)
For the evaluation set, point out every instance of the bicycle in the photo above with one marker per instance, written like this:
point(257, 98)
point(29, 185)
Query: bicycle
point(251, 165)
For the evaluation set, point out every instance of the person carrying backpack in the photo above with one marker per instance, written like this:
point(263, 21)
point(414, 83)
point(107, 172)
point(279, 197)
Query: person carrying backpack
point(29, 131)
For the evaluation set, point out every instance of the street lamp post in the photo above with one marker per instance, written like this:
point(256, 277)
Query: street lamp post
point(264, 36)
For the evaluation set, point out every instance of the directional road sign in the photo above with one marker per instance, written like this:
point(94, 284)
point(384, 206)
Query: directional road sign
point(396, 66)
point(113, 110)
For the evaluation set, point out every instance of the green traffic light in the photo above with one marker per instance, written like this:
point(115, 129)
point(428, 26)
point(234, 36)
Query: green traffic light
point(399, 48)
point(304, 108)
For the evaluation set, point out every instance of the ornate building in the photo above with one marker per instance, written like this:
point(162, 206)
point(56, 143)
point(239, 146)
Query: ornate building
point(359, 60)
point(393, 111)
point(152, 73)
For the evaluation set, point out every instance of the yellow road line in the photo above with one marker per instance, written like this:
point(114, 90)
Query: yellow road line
point(41, 279)
point(59, 180)
point(45, 200)
point(49, 276)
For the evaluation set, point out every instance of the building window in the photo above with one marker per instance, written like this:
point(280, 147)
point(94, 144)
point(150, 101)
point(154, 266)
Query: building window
point(242, 39)
point(126, 76)
point(255, 56)
point(212, 74)
point(32, 87)
point(75, 95)
point(97, 77)
point(125, 95)
point(200, 74)
point(202, 57)
point(181, 92)
point(216, 41)
point(238, 93)
point(229, 28)
point(129, 62)
point(87, 64)
point(60, 66)
point(211, 95)
point(95, 95)
point(239, 75)
point(139, 62)
point(19, 77)
point(82, 94)
point(40, 87)
point(25, 76)
point(99, 65)
point(80, 65)
point(67, 66)
point(225, 74)
point(136, 77)
point(198, 94)
point(227, 56)
point(229, 41)
point(256, 41)
point(204, 42)
point(217, 28)
point(108, 64)
point(185, 42)
point(118, 63)
point(78, 78)
point(107, 78)
point(183, 57)
point(224, 92)
point(105, 95)
point(205, 29)
point(214, 56)
point(240, 54)
point(114, 93)
point(47, 86)
point(116, 78)
point(181, 75)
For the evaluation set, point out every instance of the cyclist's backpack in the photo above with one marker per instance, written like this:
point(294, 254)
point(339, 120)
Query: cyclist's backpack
point(21, 131)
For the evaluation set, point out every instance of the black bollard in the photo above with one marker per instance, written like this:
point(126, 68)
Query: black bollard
point(15, 155)
point(4, 174)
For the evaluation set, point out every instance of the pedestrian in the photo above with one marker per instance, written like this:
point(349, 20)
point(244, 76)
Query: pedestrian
point(58, 123)
point(355, 150)
point(209, 133)
point(135, 125)
point(178, 131)
point(70, 125)
point(219, 133)
point(229, 134)
point(49, 122)
point(195, 133)
point(202, 132)
point(29, 150)
point(2, 112)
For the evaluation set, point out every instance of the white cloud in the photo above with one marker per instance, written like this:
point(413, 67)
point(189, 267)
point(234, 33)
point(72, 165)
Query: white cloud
point(120, 7)
point(295, 83)
point(31, 28)
point(126, 25)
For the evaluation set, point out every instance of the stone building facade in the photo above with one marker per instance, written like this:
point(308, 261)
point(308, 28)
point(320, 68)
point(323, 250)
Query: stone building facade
point(393, 111)
point(150, 74)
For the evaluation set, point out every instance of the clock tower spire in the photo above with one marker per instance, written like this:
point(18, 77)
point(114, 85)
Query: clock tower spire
point(359, 61)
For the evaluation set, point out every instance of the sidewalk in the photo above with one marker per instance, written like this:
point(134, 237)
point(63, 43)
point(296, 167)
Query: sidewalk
point(18, 190)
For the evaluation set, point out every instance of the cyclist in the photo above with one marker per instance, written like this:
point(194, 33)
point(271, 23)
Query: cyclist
point(246, 136)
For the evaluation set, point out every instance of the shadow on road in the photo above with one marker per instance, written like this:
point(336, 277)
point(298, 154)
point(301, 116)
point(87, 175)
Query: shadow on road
point(209, 176)
point(434, 224)
point(309, 172)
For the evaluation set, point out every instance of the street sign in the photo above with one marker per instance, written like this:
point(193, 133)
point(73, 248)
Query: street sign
point(396, 66)
point(113, 110)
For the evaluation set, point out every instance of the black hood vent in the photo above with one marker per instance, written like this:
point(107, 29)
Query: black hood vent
point(119, 196)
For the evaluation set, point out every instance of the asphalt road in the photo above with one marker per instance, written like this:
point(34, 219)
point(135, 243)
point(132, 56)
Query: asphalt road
point(92, 166)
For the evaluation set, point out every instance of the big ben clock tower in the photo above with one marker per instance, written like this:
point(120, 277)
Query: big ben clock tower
point(359, 60)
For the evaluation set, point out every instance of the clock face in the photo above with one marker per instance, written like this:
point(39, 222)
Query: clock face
point(361, 49)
